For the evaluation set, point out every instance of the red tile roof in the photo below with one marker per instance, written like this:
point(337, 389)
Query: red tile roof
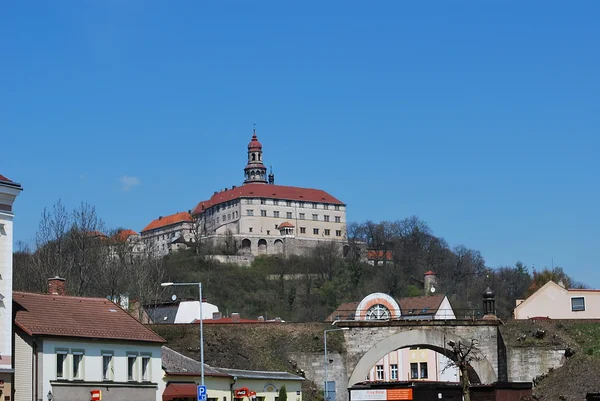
point(430, 273)
point(267, 191)
point(122, 235)
point(3, 178)
point(168, 220)
point(285, 224)
point(424, 305)
point(254, 144)
point(65, 316)
point(373, 254)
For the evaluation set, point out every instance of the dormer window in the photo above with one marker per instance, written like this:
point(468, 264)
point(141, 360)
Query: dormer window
point(378, 312)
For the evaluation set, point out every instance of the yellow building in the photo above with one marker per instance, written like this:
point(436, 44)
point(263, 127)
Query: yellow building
point(182, 376)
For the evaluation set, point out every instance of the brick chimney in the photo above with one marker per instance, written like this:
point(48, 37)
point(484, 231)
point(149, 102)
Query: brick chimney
point(56, 286)
point(235, 317)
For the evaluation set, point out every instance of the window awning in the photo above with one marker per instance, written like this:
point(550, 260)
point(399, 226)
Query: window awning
point(180, 390)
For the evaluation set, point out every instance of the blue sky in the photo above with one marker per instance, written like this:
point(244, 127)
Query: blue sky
point(481, 118)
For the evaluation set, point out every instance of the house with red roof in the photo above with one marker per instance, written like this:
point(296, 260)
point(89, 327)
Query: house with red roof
point(9, 190)
point(259, 216)
point(68, 347)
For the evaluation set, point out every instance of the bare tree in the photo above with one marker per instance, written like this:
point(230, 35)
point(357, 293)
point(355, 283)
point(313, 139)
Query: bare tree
point(462, 357)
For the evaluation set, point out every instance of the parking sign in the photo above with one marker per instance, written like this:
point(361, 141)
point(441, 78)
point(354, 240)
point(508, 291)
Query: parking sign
point(202, 393)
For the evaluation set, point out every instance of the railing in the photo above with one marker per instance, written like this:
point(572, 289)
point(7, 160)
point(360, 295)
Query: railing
point(408, 314)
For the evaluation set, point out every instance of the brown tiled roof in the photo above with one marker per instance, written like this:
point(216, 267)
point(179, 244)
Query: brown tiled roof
point(286, 224)
point(267, 191)
point(65, 316)
point(168, 220)
point(373, 254)
point(429, 273)
point(3, 178)
point(424, 305)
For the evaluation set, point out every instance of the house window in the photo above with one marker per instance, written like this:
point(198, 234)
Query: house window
point(131, 367)
point(288, 215)
point(288, 203)
point(326, 218)
point(578, 304)
point(414, 370)
point(379, 372)
point(338, 233)
point(77, 365)
point(276, 214)
point(423, 366)
point(61, 358)
point(327, 231)
point(302, 230)
point(394, 372)
point(337, 207)
point(250, 212)
point(107, 367)
point(338, 219)
point(315, 217)
point(315, 231)
point(145, 368)
point(302, 216)
point(263, 213)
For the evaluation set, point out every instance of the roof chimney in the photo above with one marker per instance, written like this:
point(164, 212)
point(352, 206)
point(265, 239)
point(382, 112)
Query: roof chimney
point(235, 317)
point(160, 217)
point(216, 315)
point(56, 286)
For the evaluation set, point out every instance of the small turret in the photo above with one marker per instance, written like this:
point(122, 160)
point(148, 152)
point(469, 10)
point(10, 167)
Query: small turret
point(489, 304)
point(430, 282)
point(271, 177)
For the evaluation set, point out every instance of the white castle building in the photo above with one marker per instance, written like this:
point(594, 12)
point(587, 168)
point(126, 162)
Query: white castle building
point(259, 216)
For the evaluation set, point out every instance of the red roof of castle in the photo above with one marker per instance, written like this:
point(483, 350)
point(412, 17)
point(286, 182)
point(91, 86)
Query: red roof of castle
point(3, 178)
point(168, 220)
point(256, 190)
point(65, 316)
point(122, 235)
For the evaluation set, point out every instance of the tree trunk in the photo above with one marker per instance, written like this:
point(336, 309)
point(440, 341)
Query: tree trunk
point(464, 378)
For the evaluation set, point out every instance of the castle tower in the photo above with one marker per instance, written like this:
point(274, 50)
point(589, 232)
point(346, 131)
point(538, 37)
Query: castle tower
point(430, 283)
point(255, 171)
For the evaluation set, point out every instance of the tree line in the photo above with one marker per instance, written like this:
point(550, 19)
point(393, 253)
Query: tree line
point(95, 261)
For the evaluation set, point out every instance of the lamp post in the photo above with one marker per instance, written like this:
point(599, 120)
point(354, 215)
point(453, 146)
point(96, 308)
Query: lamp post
point(326, 392)
point(201, 332)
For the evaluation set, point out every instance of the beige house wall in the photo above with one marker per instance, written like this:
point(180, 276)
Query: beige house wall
point(554, 301)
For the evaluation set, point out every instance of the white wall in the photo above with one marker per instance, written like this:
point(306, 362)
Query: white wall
point(554, 301)
point(188, 311)
point(6, 244)
point(92, 361)
point(445, 311)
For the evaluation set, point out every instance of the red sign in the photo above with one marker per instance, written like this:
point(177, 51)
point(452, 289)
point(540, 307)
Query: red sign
point(96, 395)
point(400, 394)
point(241, 392)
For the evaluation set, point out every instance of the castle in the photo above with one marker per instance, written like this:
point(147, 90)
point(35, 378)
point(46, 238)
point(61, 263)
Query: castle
point(255, 218)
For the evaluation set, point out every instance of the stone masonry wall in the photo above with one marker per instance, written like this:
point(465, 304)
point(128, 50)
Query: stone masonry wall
point(525, 364)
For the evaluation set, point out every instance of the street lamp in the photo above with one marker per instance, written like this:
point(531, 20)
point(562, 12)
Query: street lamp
point(201, 332)
point(326, 359)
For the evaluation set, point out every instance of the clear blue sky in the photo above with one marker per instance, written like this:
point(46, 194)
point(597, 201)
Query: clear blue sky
point(481, 118)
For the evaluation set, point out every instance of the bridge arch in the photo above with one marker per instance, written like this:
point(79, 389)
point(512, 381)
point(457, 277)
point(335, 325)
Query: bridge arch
point(483, 371)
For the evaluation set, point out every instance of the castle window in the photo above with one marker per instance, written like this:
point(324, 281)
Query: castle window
point(253, 156)
point(276, 214)
point(315, 217)
point(338, 219)
point(300, 204)
point(263, 213)
point(326, 218)
point(338, 233)
point(337, 207)
point(288, 203)
point(250, 212)
point(263, 201)
point(288, 215)
point(302, 230)
point(327, 231)
point(250, 229)
point(326, 206)
point(275, 202)
point(314, 205)
point(268, 232)
point(301, 216)
point(315, 231)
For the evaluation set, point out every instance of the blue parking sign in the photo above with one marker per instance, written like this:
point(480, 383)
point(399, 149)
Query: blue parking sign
point(202, 393)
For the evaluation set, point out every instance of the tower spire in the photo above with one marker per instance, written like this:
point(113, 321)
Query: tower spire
point(255, 171)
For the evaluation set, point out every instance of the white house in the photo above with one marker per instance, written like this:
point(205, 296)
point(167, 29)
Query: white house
point(557, 302)
point(68, 347)
point(8, 192)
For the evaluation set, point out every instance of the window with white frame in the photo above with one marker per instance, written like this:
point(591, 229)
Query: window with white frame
point(338, 219)
point(250, 212)
point(394, 371)
point(337, 207)
point(315, 217)
point(326, 218)
point(131, 365)
point(61, 361)
point(276, 213)
point(146, 368)
point(77, 365)
point(288, 215)
point(107, 365)
point(379, 372)
point(301, 216)
point(578, 304)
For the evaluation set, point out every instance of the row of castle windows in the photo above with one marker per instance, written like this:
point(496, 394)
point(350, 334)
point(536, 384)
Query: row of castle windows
point(289, 215)
point(326, 231)
point(276, 202)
